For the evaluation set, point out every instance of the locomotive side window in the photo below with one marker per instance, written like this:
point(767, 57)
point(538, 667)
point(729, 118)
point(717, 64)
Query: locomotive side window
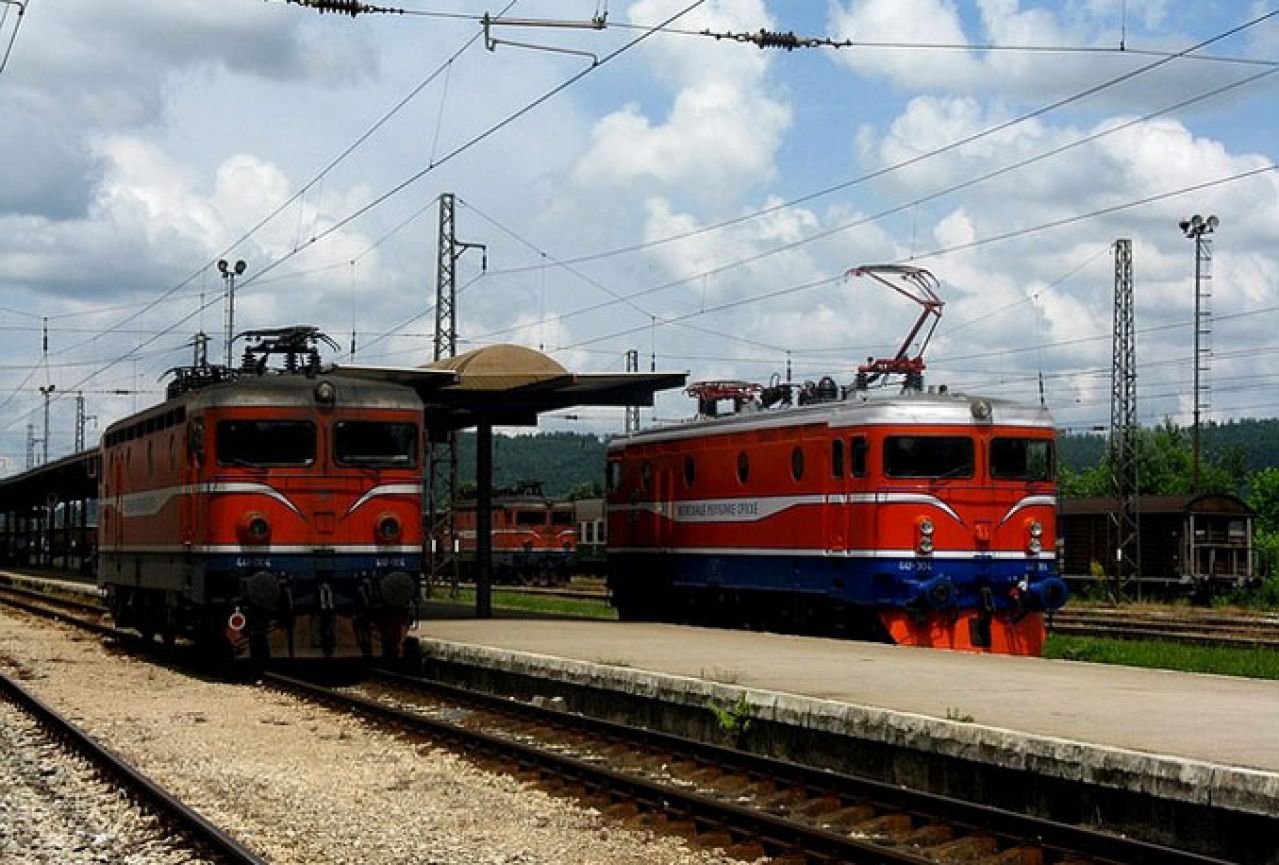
point(797, 463)
point(530, 518)
point(1022, 459)
point(858, 448)
point(743, 467)
point(837, 458)
point(928, 457)
point(611, 475)
point(375, 444)
point(646, 475)
point(266, 443)
point(690, 471)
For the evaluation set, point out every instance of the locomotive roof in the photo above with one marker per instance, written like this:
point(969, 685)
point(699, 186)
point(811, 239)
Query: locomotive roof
point(862, 408)
point(285, 391)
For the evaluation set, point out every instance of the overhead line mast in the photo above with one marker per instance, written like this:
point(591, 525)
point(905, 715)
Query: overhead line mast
point(1123, 522)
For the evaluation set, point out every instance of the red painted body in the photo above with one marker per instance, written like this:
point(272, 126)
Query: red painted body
point(256, 496)
point(769, 512)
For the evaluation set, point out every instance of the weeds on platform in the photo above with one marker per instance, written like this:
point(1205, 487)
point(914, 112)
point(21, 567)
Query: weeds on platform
point(1256, 663)
point(735, 720)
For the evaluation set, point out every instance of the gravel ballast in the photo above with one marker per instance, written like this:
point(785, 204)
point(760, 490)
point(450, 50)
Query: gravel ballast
point(295, 782)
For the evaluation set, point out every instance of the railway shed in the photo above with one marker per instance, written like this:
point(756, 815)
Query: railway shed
point(48, 514)
point(1187, 542)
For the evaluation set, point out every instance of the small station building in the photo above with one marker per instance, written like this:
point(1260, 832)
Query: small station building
point(1195, 542)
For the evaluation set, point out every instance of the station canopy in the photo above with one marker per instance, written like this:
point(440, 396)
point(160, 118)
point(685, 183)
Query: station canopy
point(510, 385)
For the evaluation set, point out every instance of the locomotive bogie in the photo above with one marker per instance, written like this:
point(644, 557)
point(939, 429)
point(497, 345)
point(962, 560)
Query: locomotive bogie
point(924, 510)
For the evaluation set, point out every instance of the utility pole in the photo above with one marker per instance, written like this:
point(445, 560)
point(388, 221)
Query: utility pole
point(1195, 228)
point(632, 411)
point(46, 391)
point(441, 479)
point(229, 273)
point(1124, 529)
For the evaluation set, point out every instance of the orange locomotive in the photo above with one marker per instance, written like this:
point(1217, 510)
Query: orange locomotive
point(274, 512)
point(534, 539)
point(926, 519)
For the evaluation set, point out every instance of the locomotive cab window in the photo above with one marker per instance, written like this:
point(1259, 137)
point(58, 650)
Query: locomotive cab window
point(1021, 459)
point(266, 443)
point(928, 457)
point(530, 518)
point(375, 444)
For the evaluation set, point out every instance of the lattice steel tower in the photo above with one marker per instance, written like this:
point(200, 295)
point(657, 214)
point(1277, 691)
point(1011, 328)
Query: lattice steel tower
point(1124, 535)
point(441, 479)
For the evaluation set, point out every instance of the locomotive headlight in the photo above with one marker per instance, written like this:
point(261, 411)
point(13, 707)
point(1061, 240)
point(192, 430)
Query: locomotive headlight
point(388, 528)
point(925, 543)
point(1035, 528)
point(325, 393)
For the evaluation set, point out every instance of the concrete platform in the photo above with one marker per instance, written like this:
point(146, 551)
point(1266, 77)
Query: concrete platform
point(1201, 752)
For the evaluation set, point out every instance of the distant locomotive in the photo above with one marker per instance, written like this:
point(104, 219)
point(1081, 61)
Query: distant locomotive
point(925, 519)
point(278, 513)
point(534, 539)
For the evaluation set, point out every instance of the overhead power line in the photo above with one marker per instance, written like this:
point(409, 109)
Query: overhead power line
point(922, 157)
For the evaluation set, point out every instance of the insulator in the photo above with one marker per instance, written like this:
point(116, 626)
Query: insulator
point(777, 39)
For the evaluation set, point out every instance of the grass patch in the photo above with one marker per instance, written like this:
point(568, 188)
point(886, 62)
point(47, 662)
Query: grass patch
point(583, 609)
point(1254, 663)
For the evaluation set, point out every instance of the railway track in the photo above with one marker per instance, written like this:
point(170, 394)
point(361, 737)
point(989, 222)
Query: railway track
point(747, 804)
point(718, 796)
point(201, 834)
point(1179, 625)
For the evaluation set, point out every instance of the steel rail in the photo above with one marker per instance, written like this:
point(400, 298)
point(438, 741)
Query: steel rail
point(1011, 827)
point(51, 597)
point(775, 833)
point(159, 799)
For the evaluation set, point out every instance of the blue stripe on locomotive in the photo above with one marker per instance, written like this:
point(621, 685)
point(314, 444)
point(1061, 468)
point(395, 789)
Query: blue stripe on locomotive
point(907, 582)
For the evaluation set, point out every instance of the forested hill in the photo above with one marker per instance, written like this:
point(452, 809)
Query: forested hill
point(564, 462)
point(1257, 441)
point(567, 462)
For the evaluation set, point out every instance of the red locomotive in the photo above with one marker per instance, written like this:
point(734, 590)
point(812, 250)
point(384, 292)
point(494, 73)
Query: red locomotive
point(278, 512)
point(924, 518)
point(534, 538)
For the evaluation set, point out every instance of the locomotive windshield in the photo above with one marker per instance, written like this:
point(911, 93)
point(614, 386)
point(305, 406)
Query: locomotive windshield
point(375, 444)
point(1021, 459)
point(266, 443)
point(928, 457)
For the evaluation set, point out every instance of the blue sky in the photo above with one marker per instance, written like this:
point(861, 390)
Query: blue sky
point(141, 143)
